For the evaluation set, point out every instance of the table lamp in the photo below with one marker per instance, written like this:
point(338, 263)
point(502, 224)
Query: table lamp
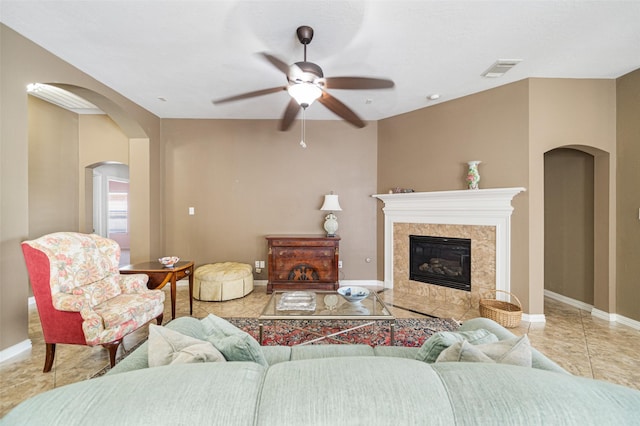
point(331, 221)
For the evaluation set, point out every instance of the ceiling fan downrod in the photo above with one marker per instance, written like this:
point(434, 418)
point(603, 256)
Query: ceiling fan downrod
point(305, 35)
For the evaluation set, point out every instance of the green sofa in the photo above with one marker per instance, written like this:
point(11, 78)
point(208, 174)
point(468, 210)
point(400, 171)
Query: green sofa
point(333, 385)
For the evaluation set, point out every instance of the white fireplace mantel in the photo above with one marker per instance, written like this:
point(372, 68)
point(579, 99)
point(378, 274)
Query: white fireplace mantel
point(481, 207)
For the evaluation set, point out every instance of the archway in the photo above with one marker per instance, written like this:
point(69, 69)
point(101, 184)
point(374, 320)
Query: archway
point(568, 224)
point(578, 228)
point(139, 156)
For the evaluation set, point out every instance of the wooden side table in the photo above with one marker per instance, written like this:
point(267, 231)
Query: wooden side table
point(159, 276)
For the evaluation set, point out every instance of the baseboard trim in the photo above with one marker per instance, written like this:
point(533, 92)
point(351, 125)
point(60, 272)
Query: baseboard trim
point(568, 301)
point(537, 318)
point(361, 283)
point(603, 315)
point(627, 321)
point(15, 350)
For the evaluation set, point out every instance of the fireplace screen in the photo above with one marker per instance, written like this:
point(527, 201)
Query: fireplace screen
point(440, 261)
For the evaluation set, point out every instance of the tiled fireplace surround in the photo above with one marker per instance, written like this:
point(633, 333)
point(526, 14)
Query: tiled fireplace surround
point(483, 216)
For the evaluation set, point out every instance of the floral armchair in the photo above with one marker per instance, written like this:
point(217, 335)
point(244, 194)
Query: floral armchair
point(80, 295)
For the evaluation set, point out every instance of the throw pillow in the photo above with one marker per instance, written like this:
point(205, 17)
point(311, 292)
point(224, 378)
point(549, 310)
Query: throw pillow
point(170, 347)
point(440, 341)
point(516, 351)
point(463, 352)
point(235, 344)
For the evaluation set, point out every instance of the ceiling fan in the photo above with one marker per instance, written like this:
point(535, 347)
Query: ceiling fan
point(306, 83)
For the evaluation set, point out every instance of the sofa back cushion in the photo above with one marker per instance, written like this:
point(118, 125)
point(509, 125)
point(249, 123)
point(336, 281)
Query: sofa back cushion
point(82, 265)
point(209, 393)
point(501, 394)
point(354, 391)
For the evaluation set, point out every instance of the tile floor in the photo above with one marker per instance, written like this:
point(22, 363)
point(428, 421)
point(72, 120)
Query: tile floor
point(584, 345)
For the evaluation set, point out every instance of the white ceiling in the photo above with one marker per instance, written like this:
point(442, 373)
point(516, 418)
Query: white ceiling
point(190, 52)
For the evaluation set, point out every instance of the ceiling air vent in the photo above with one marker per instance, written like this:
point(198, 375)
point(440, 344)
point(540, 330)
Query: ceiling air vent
point(500, 67)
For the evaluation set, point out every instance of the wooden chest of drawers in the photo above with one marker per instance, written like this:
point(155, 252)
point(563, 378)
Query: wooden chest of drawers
point(303, 262)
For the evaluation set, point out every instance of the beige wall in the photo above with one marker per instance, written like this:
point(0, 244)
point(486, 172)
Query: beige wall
point(246, 180)
point(628, 180)
point(568, 224)
point(23, 62)
point(53, 175)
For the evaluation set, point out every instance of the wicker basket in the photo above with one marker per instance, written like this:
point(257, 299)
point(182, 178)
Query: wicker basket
point(504, 313)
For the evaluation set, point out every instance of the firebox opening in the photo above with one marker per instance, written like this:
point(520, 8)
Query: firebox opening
point(441, 261)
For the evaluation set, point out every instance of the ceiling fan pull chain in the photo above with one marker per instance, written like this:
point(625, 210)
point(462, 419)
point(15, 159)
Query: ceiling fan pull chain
point(302, 143)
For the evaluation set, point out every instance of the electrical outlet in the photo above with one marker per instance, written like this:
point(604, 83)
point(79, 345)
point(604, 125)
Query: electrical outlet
point(262, 263)
point(339, 264)
point(257, 263)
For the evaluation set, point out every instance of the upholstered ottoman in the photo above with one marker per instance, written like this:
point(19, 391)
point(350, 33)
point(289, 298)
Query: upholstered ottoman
point(222, 281)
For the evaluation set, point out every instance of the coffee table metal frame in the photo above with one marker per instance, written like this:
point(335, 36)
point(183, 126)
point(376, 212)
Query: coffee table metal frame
point(371, 310)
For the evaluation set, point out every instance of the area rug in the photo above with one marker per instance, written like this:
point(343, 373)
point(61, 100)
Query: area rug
point(410, 332)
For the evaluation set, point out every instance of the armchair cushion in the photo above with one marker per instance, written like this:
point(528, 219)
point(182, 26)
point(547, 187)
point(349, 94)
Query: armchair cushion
point(98, 291)
point(133, 283)
point(117, 317)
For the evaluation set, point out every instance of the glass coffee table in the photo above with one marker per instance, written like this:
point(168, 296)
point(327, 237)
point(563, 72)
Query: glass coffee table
point(327, 305)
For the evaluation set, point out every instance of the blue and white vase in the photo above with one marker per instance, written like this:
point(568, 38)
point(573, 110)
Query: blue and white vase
point(473, 176)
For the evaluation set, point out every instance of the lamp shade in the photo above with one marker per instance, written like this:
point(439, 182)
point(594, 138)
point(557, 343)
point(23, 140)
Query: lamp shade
point(304, 93)
point(331, 203)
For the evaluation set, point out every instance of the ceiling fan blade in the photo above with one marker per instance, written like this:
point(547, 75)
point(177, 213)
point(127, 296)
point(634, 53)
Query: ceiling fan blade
point(282, 66)
point(290, 114)
point(358, 83)
point(250, 94)
point(340, 109)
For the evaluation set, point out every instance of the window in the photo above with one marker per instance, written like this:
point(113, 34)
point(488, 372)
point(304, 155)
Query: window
point(118, 207)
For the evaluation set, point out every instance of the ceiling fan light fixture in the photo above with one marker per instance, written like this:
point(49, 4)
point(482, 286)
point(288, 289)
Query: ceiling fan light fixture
point(304, 93)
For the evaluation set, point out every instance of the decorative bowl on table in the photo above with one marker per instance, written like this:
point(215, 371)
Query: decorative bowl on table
point(169, 261)
point(354, 294)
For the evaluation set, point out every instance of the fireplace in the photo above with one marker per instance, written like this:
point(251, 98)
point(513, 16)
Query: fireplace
point(482, 215)
point(440, 261)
